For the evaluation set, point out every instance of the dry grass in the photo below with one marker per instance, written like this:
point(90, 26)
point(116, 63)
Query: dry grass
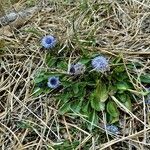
point(120, 27)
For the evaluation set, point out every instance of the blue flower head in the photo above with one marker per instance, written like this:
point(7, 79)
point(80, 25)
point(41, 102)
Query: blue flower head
point(100, 64)
point(77, 69)
point(53, 82)
point(112, 128)
point(48, 41)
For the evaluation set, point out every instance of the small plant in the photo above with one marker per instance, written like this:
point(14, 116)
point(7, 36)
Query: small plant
point(88, 86)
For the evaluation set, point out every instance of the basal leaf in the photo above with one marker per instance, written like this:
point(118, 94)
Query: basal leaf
point(79, 89)
point(96, 104)
point(75, 88)
point(85, 107)
point(112, 119)
point(128, 104)
point(112, 109)
point(101, 91)
point(122, 86)
point(122, 97)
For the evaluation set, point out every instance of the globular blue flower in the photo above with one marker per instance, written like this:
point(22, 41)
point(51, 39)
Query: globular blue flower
point(53, 82)
point(100, 64)
point(77, 69)
point(112, 128)
point(48, 41)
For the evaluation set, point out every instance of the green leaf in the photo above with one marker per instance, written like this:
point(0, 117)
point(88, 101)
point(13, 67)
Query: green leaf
point(112, 119)
point(145, 78)
point(39, 79)
point(50, 61)
point(119, 73)
point(84, 60)
point(99, 96)
point(85, 107)
point(66, 84)
point(112, 109)
point(64, 108)
point(128, 104)
point(119, 69)
point(64, 97)
point(78, 88)
point(75, 88)
point(122, 97)
point(40, 76)
point(62, 65)
point(93, 118)
point(96, 103)
point(37, 91)
point(101, 92)
point(122, 86)
point(76, 105)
